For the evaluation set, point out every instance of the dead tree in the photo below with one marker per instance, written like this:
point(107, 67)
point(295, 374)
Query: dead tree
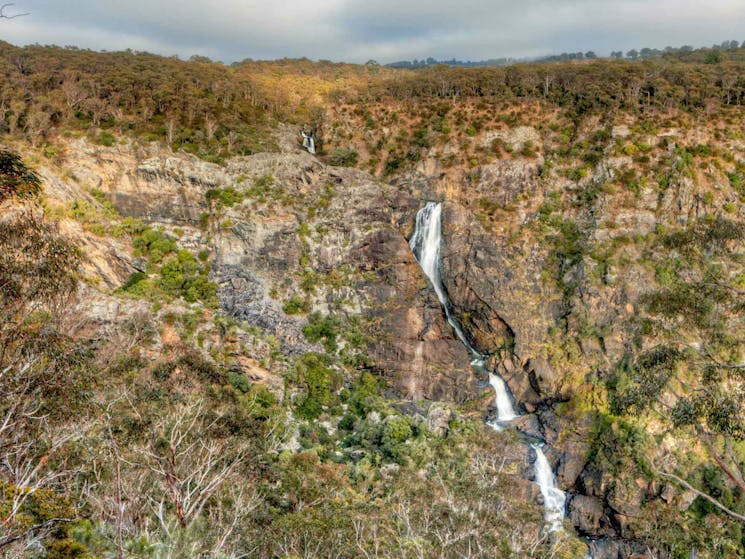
point(24, 469)
point(190, 466)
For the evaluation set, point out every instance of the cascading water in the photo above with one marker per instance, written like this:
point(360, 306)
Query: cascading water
point(554, 499)
point(425, 244)
point(503, 402)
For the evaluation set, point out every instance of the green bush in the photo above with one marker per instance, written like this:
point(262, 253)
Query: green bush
point(15, 178)
point(223, 197)
point(133, 280)
point(105, 138)
point(324, 329)
point(261, 187)
point(364, 396)
point(239, 382)
point(179, 273)
point(296, 305)
point(182, 276)
point(154, 244)
point(320, 383)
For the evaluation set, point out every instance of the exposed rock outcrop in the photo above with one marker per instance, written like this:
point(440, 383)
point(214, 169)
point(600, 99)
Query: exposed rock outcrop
point(333, 236)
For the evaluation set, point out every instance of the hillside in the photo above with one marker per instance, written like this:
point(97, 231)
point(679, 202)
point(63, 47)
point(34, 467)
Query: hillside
point(222, 345)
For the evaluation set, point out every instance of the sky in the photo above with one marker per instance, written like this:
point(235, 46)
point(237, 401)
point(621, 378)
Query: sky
point(383, 30)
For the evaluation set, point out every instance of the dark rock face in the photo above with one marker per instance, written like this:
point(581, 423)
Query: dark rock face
point(169, 189)
point(573, 462)
point(492, 284)
point(588, 515)
point(414, 345)
point(529, 425)
point(615, 548)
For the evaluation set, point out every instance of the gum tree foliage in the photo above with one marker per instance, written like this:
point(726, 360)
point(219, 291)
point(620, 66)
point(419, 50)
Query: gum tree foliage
point(697, 319)
point(16, 180)
point(42, 371)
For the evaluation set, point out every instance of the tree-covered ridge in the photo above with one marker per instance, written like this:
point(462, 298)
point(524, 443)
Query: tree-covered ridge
point(712, 55)
point(217, 111)
point(600, 85)
point(199, 106)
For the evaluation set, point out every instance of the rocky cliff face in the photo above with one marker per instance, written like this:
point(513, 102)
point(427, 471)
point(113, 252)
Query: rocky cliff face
point(333, 237)
point(546, 274)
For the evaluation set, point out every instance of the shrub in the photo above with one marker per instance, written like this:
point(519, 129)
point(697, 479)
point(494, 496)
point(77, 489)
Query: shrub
point(396, 432)
point(296, 305)
point(15, 178)
point(105, 138)
point(303, 230)
point(163, 371)
point(154, 244)
point(223, 197)
point(342, 157)
point(182, 276)
point(239, 382)
point(364, 396)
point(322, 329)
point(133, 280)
point(205, 369)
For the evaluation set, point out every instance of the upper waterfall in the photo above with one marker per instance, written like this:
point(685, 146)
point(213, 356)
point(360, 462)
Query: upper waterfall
point(309, 142)
point(425, 244)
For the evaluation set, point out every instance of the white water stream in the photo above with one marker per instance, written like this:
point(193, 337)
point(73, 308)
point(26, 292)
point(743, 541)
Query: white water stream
point(554, 499)
point(425, 244)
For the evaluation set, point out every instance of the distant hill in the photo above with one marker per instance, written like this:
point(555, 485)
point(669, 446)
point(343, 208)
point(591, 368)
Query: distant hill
point(414, 64)
point(686, 52)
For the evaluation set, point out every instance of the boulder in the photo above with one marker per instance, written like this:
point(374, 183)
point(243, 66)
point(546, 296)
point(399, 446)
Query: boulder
point(438, 420)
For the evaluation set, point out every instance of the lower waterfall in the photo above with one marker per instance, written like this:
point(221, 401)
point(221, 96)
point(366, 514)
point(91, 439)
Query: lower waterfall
point(309, 142)
point(554, 499)
point(425, 244)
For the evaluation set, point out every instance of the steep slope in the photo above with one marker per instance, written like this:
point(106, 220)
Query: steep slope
point(269, 304)
point(570, 249)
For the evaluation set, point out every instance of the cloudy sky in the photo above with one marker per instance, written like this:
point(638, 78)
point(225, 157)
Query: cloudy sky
point(385, 30)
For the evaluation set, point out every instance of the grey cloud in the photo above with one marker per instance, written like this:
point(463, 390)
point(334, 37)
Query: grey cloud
point(356, 30)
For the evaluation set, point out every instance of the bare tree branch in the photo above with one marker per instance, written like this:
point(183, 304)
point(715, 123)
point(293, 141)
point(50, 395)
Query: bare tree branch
point(191, 470)
point(3, 15)
point(701, 494)
point(12, 538)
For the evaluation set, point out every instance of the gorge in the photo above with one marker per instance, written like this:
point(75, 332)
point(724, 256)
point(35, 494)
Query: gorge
point(498, 313)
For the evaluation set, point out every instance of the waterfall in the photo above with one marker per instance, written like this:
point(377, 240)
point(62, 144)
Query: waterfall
point(503, 402)
point(309, 142)
point(425, 244)
point(554, 498)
